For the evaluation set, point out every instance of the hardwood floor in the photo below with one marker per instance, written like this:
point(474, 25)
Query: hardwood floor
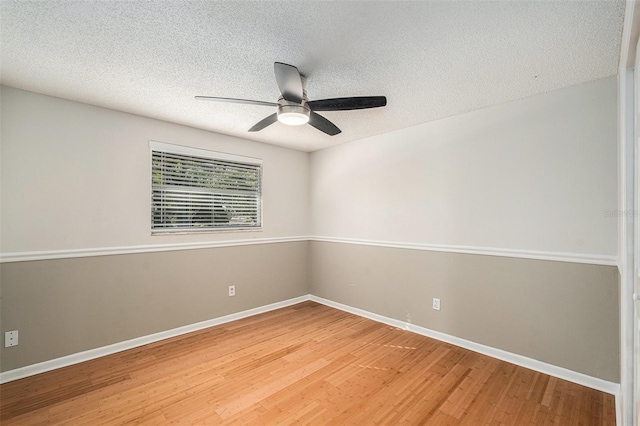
point(307, 364)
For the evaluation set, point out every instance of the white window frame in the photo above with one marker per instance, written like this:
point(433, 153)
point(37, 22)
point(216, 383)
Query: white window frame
point(197, 153)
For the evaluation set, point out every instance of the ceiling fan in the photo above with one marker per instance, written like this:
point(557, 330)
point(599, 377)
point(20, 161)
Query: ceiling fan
point(294, 108)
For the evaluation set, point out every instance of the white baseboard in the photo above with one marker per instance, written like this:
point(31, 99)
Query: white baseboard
point(523, 361)
point(542, 367)
point(79, 357)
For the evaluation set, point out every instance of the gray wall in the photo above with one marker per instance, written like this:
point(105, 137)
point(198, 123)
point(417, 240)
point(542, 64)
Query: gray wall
point(76, 178)
point(537, 175)
point(564, 314)
point(71, 305)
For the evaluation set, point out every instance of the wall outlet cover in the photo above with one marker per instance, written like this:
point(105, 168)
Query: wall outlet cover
point(11, 338)
point(436, 303)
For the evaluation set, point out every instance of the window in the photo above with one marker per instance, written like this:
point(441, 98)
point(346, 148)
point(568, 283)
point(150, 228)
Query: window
point(195, 190)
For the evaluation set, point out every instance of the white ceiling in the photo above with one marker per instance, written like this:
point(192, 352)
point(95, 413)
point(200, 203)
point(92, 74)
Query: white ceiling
point(432, 59)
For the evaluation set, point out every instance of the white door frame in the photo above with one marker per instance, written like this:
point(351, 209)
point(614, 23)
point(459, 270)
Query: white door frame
point(626, 237)
point(628, 225)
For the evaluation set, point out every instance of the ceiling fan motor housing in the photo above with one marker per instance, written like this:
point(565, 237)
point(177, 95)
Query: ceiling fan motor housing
point(292, 113)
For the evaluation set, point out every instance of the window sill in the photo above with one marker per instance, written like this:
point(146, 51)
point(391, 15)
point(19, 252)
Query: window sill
point(204, 231)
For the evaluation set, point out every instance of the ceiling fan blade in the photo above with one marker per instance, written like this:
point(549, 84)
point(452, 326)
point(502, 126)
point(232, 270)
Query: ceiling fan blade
point(267, 121)
point(289, 82)
point(235, 101)
point(344, 104)
point(322, 124)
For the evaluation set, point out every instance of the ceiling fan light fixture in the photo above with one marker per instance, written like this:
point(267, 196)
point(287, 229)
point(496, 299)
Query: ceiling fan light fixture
point(293, 118)
point(293, 114)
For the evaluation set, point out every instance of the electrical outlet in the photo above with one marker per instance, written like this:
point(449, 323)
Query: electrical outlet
point(436, 303)
point(11, 338)
point(232, 290)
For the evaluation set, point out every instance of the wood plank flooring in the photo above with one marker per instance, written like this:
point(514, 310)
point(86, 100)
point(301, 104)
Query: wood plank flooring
point(305, 364)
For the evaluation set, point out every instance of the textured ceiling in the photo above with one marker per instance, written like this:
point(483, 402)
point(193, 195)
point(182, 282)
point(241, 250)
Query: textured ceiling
point(432, 59)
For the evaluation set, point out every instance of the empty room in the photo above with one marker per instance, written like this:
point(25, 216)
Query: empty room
point(319, 212)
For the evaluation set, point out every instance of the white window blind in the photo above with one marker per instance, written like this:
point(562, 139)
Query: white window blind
point(197, 191)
